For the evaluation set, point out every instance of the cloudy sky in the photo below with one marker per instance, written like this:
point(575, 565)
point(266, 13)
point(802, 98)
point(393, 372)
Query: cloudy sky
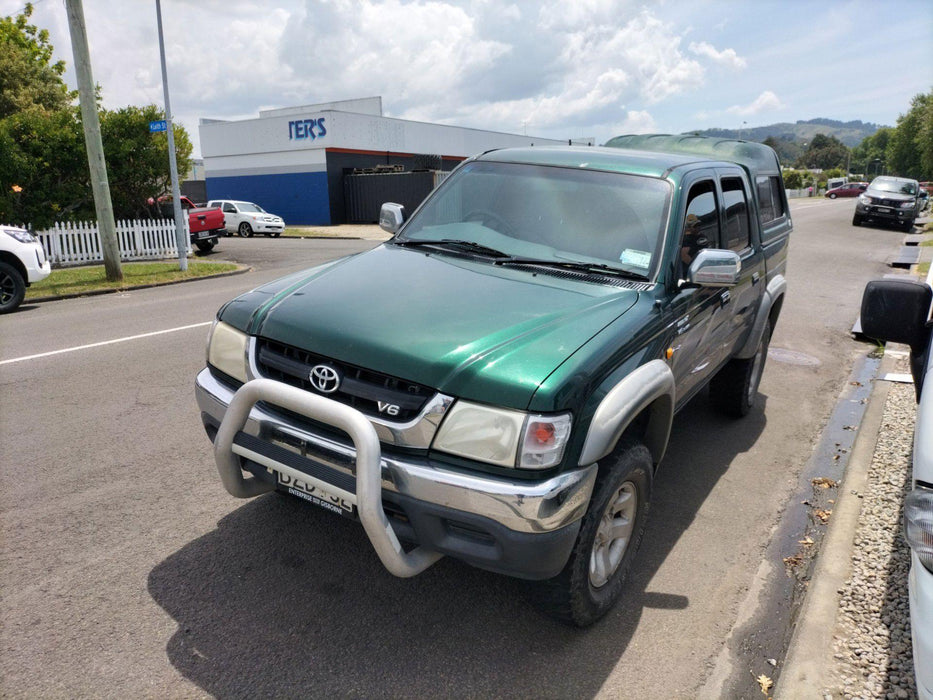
point(558, 69)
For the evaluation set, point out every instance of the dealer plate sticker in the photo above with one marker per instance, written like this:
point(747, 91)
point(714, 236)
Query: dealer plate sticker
point(314, 494)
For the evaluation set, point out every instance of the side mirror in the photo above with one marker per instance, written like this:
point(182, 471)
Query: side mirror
point(897, 311)
point(715, 268)
point(391, 217)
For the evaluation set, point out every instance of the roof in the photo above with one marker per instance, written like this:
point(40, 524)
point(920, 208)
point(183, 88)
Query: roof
point(754, 157)
point(593, 158)
point(648, 154)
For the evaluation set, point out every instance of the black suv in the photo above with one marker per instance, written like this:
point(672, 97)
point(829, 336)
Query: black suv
point(893, 200)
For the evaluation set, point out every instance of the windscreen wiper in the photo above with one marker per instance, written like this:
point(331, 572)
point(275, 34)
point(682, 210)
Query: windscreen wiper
point(469, 246)
point(573, 265)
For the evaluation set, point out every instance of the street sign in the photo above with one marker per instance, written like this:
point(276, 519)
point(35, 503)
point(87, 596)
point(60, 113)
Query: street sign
point(159, 125)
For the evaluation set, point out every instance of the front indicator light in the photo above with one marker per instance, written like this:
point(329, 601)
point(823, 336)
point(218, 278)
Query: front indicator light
point(545, 440)
point(226, 350)
point(918, 524)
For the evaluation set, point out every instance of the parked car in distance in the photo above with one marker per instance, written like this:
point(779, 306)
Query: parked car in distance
point(890, 200)
point(497, 382)
point(205, 224)
point(22, 262)
point(898, 311)
point(850, 189)
point(246, 218)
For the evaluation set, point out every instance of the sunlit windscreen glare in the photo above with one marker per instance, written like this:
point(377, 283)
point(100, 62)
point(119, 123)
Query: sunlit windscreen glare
point(550, 213)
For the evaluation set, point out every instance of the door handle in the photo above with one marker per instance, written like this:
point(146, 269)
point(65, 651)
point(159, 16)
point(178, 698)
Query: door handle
point(724, 298)
point(755, 277)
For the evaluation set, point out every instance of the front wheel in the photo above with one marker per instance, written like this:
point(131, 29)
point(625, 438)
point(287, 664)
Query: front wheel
point(735, 386)
point(832, 196)
point(856, 220)
point(245, 230)
point(611, 531)
point(12, 288)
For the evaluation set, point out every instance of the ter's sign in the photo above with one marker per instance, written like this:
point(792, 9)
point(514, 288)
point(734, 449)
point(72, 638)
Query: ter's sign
point(306, 129)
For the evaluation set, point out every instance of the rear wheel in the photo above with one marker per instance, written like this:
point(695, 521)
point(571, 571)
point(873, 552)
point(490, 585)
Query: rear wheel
point(735, 386)
point(205, 246)
point(245, 230)
point(12, 288)
point(611, 531)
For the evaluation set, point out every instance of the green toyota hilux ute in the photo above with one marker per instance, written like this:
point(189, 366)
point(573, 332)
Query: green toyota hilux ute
point(497, 381)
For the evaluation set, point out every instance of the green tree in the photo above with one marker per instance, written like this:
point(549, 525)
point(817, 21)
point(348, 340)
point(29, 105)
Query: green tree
point(870, 153)
point(824, 152)
point(909, 152)
point(793, 179)
point(137, 161)
point(43, 171)
point(28, 78)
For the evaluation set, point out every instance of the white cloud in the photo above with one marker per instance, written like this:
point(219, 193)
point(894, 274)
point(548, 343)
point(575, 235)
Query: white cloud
point(726, 57)
point(636, 122)
point(765, 101)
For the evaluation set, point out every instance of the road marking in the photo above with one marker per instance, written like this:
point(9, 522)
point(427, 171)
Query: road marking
point(105, 342)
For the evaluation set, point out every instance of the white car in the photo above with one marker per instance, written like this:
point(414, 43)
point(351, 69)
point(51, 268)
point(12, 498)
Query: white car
point(22, 262)
point(246, 218)
point(899, 311)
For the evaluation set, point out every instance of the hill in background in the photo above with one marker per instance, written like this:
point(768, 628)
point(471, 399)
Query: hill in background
point(850, 133)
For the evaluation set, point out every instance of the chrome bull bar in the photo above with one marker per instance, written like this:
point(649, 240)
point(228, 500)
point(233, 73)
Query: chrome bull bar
point(368, 496)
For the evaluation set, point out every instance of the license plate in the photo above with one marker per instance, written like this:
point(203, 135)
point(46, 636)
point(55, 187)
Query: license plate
point(883, 210)
point(314, 494)
point(204, 234)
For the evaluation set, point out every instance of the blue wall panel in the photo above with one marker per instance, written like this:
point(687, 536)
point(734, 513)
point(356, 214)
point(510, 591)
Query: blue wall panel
point(299, 198)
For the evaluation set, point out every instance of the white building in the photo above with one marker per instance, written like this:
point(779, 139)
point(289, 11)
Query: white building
point(293, 161)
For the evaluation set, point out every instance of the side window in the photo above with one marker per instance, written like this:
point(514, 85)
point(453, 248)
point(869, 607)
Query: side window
point(701, 223)
point(229, 208)
point(769, 198)
point(736, 206)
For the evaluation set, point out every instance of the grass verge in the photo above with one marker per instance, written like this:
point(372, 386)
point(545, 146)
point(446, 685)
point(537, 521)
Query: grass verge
point(82, 280)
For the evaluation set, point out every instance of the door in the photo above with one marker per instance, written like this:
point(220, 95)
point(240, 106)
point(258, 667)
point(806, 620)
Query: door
point(693, 309)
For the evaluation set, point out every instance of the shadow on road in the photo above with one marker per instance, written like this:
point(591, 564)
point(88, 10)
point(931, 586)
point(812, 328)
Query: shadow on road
point(282, 598)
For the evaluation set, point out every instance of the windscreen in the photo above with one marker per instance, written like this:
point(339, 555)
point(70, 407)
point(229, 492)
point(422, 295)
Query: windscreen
point(551, 213)
point(900, 187)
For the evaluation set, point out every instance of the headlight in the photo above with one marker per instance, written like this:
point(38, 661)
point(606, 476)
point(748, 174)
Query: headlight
point(504, 437)
point(907, 205)
point(20, 235)
point(864, 199)
point(918, 524)
point(226, 350)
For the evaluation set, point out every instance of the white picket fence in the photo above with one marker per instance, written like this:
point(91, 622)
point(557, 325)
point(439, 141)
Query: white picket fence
point(78, 243)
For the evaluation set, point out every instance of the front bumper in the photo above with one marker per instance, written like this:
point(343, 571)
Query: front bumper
point(920, 587)
point(36, 264)
point(266, 227)
point(520, 528)
point(883, 213)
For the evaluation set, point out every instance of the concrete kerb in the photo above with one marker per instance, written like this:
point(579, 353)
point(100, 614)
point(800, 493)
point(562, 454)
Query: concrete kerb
point(98, 292)
point(810, 654)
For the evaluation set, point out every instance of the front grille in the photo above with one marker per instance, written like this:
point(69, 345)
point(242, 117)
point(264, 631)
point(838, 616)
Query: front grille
point(372, 393)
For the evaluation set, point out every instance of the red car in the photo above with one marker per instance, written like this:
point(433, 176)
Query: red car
point(850, 189)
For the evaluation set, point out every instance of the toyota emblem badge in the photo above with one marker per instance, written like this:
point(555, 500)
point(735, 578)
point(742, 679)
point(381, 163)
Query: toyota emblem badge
point(324, 378)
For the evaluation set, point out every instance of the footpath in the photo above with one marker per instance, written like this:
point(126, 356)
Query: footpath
point(852, 635)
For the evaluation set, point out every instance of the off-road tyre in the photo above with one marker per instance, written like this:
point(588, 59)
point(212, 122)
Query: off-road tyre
point(735, 386)
point(12, 288)
point(205, 246)
point(245, 230)
point(571, 596)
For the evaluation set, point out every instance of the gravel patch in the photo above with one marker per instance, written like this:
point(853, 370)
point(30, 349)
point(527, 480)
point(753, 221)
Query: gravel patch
point(872, 648)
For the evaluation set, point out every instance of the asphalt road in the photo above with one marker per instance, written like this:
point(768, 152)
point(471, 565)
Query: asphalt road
point(127, 571)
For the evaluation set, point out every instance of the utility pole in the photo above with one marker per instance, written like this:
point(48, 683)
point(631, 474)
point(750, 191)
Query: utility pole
point(100, 186)
point(180, 238)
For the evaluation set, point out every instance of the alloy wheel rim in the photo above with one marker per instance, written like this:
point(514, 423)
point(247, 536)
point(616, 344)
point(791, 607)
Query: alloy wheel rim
point(613, 534)
point(7, 289)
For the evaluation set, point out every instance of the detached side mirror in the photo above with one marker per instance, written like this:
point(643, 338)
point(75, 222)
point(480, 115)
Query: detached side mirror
point(715, 268)
point(391, 217)
point(897, 311)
